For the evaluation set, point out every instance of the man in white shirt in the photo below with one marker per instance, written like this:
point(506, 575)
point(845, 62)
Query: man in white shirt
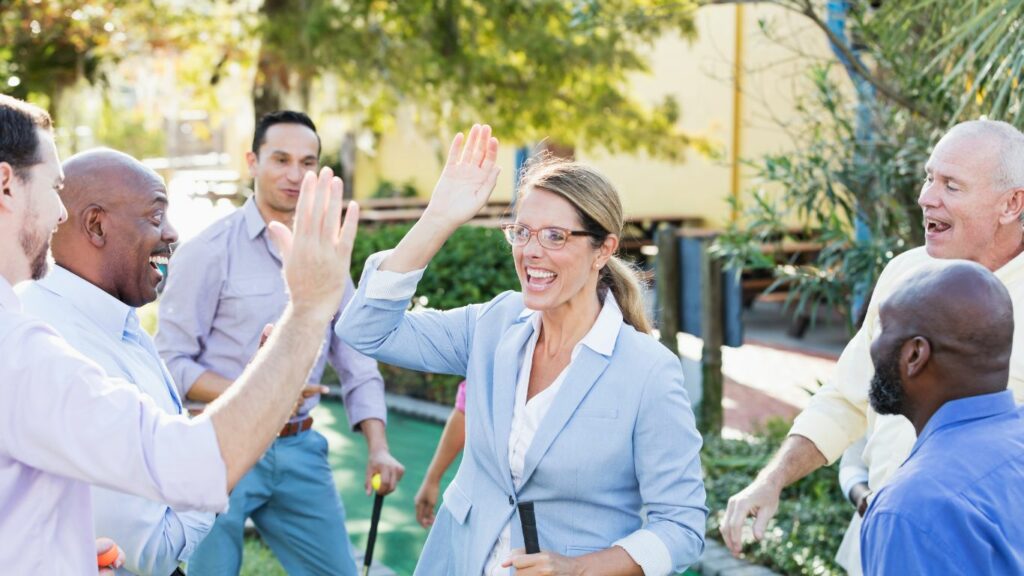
point(972, 200)
point(107, 256)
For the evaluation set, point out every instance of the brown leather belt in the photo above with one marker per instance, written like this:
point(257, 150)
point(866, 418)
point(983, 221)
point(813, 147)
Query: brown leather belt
point(293, 428)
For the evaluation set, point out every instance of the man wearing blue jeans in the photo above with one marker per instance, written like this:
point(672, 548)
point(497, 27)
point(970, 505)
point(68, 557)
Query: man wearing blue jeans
point(223, 287)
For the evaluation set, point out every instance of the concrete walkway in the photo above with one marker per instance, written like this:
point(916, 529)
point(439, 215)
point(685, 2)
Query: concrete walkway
point(771, 374)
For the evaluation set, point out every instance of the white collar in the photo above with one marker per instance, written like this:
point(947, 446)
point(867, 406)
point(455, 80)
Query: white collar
point(602, 335)
point(107, 312)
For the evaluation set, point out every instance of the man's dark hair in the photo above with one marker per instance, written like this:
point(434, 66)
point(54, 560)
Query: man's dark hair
point(19, 141)
point(280, 117)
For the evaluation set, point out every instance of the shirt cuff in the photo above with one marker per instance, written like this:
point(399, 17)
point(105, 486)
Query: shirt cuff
point(386, 285)
point(190, 372)
point(820, 429)
point(850, 477)
point(647, 550)
point(190, 467)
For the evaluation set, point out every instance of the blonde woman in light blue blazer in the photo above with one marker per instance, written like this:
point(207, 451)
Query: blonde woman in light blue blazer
point(571, 404)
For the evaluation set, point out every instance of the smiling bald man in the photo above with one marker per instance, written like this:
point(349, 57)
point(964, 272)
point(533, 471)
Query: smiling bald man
point(106, 257)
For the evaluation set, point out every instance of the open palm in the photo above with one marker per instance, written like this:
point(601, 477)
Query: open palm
point(468, 177)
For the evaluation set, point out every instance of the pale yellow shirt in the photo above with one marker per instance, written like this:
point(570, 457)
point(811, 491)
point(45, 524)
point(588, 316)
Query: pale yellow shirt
point(839, 414)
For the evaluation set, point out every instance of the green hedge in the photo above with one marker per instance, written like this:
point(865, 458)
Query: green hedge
point(475, 265)
point(812, 515)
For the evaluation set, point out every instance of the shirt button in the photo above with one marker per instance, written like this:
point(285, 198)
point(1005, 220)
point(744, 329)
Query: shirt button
point(511, 501)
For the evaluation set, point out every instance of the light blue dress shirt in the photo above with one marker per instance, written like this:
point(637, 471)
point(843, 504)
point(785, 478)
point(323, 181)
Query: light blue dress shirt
point(955, 506)
point(154, 537)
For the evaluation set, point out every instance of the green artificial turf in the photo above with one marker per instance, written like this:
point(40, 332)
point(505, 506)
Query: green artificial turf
point(399, 537)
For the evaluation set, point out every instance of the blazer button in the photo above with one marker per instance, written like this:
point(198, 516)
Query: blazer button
point(511, 501)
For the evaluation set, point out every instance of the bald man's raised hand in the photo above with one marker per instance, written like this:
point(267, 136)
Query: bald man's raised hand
point(317, 251)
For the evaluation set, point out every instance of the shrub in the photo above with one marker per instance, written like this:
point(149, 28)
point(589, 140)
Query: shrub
point(389, 189)
point(829, 179)
point(812, 516)
point(475, 265)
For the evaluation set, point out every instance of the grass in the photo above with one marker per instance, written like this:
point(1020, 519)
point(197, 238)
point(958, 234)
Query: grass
point(399, 537)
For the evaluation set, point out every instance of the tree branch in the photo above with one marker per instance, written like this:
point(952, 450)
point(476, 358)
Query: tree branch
point(805, 9)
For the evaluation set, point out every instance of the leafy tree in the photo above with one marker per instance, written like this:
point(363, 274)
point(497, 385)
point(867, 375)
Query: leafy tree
point(51, 48)
point(538, 69)
point(933, 63)
point(45, 47)
point(534, 70)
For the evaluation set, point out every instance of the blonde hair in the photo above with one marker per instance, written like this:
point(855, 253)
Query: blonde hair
point(600, 212)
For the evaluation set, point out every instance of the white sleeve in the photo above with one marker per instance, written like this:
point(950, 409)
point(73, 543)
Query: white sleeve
point(385, 285)
point(852, 470)
point(647, 550)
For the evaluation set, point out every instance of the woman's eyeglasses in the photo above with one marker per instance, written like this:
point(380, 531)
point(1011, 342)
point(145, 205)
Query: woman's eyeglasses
point(552, 237)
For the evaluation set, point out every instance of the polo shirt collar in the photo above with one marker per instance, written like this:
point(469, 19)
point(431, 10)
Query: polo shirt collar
point(1012, 270)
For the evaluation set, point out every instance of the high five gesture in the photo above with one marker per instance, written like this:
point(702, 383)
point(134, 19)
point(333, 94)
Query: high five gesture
point(461, 191)
point(317, 253)
point(468, 177)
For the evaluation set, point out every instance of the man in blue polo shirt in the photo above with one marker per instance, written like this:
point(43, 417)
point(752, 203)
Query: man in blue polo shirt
point(942, 360)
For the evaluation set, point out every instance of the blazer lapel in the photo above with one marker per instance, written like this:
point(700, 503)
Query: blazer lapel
point(503, 398)
point(583, 373)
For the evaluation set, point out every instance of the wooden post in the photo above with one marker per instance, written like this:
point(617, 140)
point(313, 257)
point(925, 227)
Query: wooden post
point(666, 285)
point(710, 418)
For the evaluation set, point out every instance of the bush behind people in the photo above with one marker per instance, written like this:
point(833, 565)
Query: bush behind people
point(473, 267)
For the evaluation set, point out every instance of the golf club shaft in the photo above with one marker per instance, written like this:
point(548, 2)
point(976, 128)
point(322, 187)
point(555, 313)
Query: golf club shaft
point(378, 501)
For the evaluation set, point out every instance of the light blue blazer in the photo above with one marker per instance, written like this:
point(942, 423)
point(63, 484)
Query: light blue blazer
point(617, 451)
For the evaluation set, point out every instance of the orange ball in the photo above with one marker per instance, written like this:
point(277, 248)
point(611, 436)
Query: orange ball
point(107, 558)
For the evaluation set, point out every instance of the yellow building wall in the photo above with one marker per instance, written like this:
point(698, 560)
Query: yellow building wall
point(777, 47)
point(699, 74)
point(405, 155)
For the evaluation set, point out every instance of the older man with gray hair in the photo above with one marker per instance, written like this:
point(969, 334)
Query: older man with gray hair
point(972, 200)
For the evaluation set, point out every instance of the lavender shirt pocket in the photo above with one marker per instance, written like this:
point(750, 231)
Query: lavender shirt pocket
point(258, 297)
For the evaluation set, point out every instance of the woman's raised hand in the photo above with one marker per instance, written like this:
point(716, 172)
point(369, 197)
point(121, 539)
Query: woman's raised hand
point(468, 178)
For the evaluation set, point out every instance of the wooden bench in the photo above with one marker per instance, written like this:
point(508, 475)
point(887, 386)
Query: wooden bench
point(382, 211)
point(755, 282)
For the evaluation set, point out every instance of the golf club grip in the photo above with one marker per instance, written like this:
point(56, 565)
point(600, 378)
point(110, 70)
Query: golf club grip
point(378, 501)
point(529, 521)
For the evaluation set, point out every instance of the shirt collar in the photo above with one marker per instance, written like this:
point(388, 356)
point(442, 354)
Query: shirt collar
point(964, 409)
point(602, 335)
point(254, 222)
point(107, 312)
point(1012, 269)
point(8, 299)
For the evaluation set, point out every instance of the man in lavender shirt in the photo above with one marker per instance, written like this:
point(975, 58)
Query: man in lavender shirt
point(64, 424)
point(223, 287)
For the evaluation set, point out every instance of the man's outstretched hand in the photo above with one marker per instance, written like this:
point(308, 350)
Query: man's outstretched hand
point(317, 251)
